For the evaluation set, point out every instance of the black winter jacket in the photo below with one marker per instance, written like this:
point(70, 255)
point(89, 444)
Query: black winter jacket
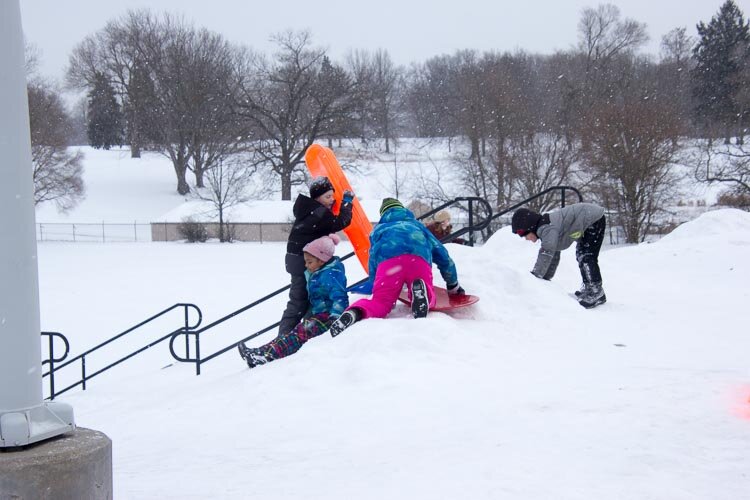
point(313, 220)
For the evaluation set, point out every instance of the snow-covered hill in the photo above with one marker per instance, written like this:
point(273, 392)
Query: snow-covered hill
point(525, 395)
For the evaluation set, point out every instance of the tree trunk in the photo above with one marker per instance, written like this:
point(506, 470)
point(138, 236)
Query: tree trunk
point(182, 186)
point(221, 224)
point(180, 168)
point(474, 139)
point(135, 140)
point(286, 184)
point(198, 170)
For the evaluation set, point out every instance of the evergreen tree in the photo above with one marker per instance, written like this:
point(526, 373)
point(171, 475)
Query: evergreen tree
point(720, 56)
point(104, 115)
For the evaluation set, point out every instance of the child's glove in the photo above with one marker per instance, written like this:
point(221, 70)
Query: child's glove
point(455, 289)
point(348, 197)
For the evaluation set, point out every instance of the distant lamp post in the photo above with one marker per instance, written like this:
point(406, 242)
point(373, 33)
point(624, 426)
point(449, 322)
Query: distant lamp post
point(24, 416)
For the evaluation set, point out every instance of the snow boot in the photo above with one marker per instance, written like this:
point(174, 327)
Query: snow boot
point(347, 319)
point(420, 305)
point(243, 350)
point(256, 356)
point(592, 296)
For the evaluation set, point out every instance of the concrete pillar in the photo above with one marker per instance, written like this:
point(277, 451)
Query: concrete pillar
point(24, 418)
point(77, 466)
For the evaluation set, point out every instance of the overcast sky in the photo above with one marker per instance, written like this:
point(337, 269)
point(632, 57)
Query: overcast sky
point(411, 31)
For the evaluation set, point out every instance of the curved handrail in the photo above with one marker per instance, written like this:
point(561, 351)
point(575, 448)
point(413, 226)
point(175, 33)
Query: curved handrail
point(52, 359)
point(82, 357)
point(539, 195)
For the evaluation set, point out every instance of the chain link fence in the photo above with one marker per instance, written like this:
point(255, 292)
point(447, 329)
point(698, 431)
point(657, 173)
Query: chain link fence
point(93, 232)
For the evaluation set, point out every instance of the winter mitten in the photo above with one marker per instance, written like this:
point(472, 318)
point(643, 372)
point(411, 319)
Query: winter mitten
point(348, 197)
point(455, 289)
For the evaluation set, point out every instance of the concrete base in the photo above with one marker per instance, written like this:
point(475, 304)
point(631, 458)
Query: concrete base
point(44, 421)
point(77, 465)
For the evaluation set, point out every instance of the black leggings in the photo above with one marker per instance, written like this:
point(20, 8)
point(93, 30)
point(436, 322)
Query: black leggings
point(298, 301)
point(587, 252)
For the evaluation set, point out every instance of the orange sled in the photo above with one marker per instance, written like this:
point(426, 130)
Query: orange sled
point(322, 162)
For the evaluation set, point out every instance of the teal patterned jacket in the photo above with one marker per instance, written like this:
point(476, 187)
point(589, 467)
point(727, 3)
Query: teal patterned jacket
point(326, 289)
point(399, 233)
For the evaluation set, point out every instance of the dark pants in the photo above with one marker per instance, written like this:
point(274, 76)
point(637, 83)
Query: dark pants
point(298, 302)
point(288, 343)
point(587, 252)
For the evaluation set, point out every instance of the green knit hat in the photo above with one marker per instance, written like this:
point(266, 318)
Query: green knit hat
point(389, 203)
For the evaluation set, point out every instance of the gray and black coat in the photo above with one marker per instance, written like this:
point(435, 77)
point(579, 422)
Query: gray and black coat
point(583, 223)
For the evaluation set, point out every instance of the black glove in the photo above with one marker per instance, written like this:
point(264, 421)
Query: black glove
point(455, 289)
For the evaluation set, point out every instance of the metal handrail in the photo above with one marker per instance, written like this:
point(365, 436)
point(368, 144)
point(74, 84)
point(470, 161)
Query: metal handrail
point(52, 359)
point(482, 224)
point(562, 189)
point(187, 327)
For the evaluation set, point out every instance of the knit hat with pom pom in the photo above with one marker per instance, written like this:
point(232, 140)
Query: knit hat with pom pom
point(323, 248)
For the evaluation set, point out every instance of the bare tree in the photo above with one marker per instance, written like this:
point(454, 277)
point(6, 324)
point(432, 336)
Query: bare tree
point(677, 47)
point(192, 121)
point(540, 162)
point(289, 102)
point(717, 163)
point(226, 186)
point(360, 68)
point(176, 83)
point(387, 94)
point(633, 144)
point(57, 172)
point(603, 35)
point(674, 67)
point(432, 99)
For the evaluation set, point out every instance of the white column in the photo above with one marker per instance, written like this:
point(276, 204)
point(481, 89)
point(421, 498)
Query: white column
point(24, 418)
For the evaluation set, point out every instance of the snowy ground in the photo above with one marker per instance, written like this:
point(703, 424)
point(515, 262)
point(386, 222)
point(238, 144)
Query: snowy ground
point(525, 395)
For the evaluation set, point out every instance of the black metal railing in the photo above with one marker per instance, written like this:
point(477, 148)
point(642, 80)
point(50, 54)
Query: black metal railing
point(51, 336)
point(474, 204)
point(85, 376)
point(563, 192)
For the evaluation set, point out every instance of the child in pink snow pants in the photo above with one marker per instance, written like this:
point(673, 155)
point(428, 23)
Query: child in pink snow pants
point(390, 278)
point(402, 251)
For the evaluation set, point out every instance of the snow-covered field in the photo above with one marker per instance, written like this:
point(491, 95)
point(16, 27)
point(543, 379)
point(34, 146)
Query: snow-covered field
point(525, 395)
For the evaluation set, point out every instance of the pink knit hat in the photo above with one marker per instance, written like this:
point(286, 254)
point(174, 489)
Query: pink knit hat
point(323, 247)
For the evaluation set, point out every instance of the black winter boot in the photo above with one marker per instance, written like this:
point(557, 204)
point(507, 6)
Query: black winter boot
point(243, 350)
point(256, 356)
point(592, 296)
point(420, 305)
point(347, 319)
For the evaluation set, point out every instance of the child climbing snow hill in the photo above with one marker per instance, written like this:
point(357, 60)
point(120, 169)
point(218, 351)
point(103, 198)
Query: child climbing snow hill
point(402, 251)
point(326, 289)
